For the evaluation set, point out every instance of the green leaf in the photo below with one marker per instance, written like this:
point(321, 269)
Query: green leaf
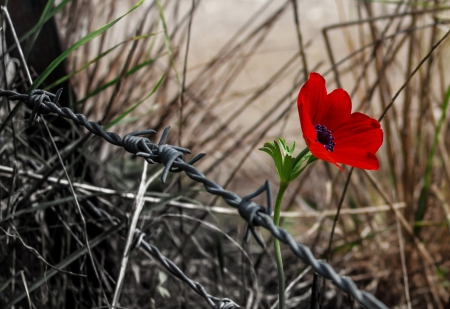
point(120, 117)
point(163, 291)
point(162, 277)
point(288, 167)
point(81, 42)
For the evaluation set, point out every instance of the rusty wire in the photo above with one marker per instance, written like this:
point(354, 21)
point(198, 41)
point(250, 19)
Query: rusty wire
point(172, 157)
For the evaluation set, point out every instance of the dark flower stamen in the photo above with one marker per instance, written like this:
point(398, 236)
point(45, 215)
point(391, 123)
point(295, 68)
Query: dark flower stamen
point(324, 137)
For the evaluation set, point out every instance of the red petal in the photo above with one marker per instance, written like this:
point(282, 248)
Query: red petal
point(313, 95)
point(307, 96)
point(335, 111)
point(305, 122)
point(360, 132)
point(359, 158)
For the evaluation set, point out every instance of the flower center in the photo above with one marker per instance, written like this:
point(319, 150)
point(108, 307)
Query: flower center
point(324, 137)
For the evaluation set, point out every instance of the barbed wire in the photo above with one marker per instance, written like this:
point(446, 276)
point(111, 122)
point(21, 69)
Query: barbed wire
point(139, 241)
point(172, 157)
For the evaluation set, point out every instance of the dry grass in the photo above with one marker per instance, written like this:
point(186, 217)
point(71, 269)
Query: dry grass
point(227, 102)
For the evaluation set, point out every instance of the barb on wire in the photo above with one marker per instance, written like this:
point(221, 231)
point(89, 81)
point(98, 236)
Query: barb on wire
point(248, 212)
point(140, 241)
point(173, 159)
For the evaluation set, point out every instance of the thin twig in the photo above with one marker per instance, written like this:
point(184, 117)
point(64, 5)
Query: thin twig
point(403, 260)
point(138, 205)
point(428, 55)
point(336, 217)
point(36, 253)
point(429, 260)
point(300, 40)
point(30, 80)
point(13, 31)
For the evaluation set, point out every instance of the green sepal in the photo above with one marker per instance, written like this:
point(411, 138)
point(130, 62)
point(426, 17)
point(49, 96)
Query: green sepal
point(288, 167)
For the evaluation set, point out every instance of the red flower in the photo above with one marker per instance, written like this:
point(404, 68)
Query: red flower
point(331, 132)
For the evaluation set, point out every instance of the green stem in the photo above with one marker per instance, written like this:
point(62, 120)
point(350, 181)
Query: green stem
point(278, 257)
point(302, 154)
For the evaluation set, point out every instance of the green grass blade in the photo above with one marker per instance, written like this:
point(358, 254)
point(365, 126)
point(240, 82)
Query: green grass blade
point(113, 81)
point(81, 42)
point(167, 39)
point(120, 117)
point(96, 59)
point(43, 20)
point(37, 30)
point(423, 197)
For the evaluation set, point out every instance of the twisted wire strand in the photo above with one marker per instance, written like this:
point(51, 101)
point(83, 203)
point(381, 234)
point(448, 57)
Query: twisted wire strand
point(172, 158)
point(214, 302)
point(139, 241)
point(263, 219)
point(44, 102)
